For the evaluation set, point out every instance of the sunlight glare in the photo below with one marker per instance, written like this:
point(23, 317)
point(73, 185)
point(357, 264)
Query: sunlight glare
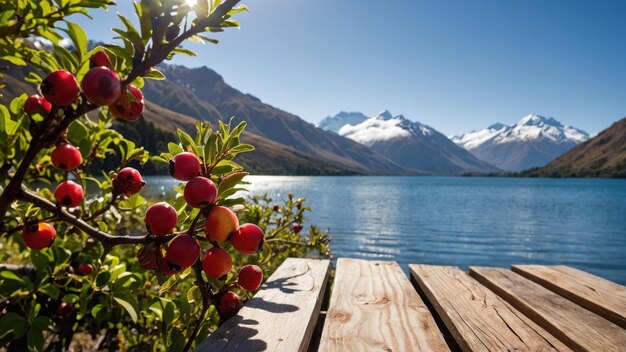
point(190, 2)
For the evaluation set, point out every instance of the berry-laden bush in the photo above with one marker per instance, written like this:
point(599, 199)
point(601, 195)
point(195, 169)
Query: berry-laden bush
point(88, 263)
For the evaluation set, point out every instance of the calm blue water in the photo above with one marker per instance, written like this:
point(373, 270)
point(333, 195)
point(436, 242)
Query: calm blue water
point(464, 221)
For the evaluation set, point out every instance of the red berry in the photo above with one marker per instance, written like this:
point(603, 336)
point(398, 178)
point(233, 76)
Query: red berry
point(99, 59)
point(221, 224)
point(230, 304)
point(102, 86)
point(39, 236)
point(69, 194)
point(249, 239)
point(250, 277)
point(128, 182)
point(185, 166)
point(129, 106)
point(297, 228)
point(217, 263)
point(276, 207)
point(84, 269)
point(165, 266)
point(66, 156)
point(36, 104)
point(60, 88)
point(161, 219)
point(147, 256)
point(200, 191)
point(182, 252)
point(64, 309)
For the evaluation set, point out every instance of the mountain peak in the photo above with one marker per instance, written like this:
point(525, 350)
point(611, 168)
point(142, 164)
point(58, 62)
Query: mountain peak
point(538, 120)
point(384, 115)
point(497, 126)
point(533, 141)
point(334, 123)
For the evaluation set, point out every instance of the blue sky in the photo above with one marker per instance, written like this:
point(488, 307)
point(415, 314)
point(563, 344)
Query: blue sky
point(456, 65)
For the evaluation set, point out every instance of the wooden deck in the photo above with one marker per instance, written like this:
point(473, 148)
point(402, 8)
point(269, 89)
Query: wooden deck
point(374, 306)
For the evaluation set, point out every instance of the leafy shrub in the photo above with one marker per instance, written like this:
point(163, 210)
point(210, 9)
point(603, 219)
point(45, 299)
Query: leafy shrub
point(87, 265)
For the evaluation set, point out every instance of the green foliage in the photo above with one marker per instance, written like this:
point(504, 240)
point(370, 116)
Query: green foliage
point(46, 301)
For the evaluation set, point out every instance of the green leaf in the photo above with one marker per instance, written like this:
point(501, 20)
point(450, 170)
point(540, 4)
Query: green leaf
point(40, 260)
point(238, 9)
point(12, 322)
point(76, 132)
point(185, 139)
point(194, 295)
point(155, 74)
point(210, 149)
point(14, 60)
point(242, 148)
point(174, 148)
point(99, 312)
point(184, 51)
point(78, 37)
point(168, 313)
point(230, 181)
point(35, 339)
point(103, 278)
point(50, 290)
point(8, 275)
point(171, 282)
point(129, 303)
point(43, 323)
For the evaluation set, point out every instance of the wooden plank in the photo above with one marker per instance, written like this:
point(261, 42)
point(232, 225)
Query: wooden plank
point(600, 296)
point(577, 327)
point(477, 318)
point(281, 316)
point(373, 307)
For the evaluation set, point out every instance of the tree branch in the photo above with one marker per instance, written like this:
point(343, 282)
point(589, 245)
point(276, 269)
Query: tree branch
point(101, 236)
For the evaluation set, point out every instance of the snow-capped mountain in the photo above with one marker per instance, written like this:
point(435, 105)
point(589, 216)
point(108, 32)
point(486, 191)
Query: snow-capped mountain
point(533, 141)
point(408, 143)
point(334, 123)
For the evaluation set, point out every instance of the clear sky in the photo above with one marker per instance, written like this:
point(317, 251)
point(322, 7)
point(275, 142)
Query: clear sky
point(456, 65)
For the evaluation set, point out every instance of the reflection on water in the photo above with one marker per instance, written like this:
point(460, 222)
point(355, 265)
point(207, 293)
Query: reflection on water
point(463, 221)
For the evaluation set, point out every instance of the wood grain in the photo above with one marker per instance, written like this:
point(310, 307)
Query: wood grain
point(574, 325)
point(600, 296)
point(281, 316)
point(373, 307)
point(477, 318)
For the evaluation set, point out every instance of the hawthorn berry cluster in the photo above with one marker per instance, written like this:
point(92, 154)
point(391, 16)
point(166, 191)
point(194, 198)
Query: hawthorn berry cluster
point(221, 228)
point(101, 86)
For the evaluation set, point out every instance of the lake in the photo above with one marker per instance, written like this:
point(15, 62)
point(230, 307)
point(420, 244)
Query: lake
point(463, 221)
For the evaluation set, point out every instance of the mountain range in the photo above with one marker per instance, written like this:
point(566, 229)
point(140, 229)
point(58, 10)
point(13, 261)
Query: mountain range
point(533, 141)
point(285, 144)
point(410, 144)
point(350, 143)
point(601, 156)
